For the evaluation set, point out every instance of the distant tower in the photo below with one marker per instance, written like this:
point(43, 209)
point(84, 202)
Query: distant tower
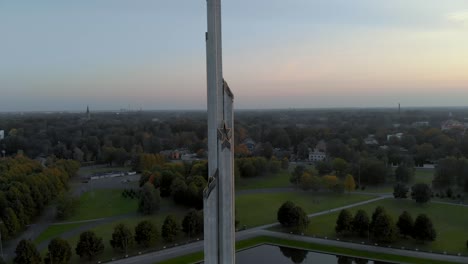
point(399, 111)
point(88, 114)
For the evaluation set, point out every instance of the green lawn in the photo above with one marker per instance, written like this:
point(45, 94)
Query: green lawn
point(261, 208)
point(450, 222)
point(277, 180)
point(420, 176)
point(54, 231)
point(103, 203)
point(424, 176)
point(198, 256)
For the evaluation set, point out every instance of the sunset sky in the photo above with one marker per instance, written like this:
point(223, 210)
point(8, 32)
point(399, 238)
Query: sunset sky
point(112, 54)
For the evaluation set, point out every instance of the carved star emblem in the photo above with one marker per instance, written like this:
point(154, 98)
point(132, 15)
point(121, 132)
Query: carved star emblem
point(224, 134)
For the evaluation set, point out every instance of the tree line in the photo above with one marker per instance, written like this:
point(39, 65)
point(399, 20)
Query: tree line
point(381, 226)
point(27, 187)
point(89, 246)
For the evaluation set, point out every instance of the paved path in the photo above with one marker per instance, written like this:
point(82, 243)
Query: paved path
point(48, 217)
point(171, 253)
point(32, 231)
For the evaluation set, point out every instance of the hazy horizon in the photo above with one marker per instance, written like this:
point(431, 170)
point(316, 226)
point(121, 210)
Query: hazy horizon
point(113, 54)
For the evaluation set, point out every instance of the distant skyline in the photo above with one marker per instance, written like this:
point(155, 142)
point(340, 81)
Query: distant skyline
point(150, 54)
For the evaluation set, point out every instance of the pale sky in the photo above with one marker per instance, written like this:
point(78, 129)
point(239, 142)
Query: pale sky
point(112, 54)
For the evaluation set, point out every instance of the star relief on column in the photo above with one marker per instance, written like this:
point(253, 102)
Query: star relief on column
point(224, 135)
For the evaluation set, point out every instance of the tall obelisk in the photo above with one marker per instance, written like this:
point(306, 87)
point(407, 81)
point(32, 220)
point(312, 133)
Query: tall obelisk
point(219, 194)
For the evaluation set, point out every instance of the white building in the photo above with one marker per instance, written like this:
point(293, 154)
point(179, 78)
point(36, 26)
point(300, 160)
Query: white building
point(370, 140)
point(317, 155)
point(2, 134)
point(397, 135)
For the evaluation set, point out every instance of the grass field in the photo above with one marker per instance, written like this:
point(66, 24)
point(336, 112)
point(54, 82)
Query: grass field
point(420, 176)
point(277, 180)
point(424, 176)
point(261, 208)
point(103, 203)
point(450, 222)
point(54, 231)
point(198, 256)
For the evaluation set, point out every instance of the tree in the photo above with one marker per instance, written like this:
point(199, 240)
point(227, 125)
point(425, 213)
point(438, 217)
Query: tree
point(146, 233)
point(284, 163)
point(378, 211)
point(192, 224)
point(89, 245)
point(66, 206)
point(59, 252)
point(122, 238)
point(149, 199)
point(324, 167)
point(302, 220)
point(11, 221)
point(170, 228)
point(344, 222)
point(349, 183)
point(284, 214)
point(330, 181)
point(421, 193)
point(296, 255)
point(400, 191)
point(404, 174)
point(405, 224)
point(339, 165)
point(423, 229)
point(299, 170)
point(373, 171)
point(383, 228)
point(26, 252)
point(290, 215)
point(306, 181)
point(360, 223)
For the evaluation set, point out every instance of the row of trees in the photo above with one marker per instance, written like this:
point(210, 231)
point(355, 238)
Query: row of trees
point(382, 228)
point(26, 187)
point(420, 192)
point(89, 245)
point(308, 179)
point(258, 166)
point(185, 182)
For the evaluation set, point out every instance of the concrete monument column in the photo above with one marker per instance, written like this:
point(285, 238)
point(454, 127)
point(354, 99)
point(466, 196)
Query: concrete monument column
point(219, 229)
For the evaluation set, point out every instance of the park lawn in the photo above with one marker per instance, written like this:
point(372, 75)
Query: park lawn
point(261, 208)
point(87, 171)
point(105, 232)
point(424, 176)
point(450, 222)
point(103, 203)
point(276, 180)
point(54, 231)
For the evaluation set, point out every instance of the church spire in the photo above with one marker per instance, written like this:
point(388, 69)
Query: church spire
point(88, 114)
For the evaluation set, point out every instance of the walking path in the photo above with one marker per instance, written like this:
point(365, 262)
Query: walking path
point(182, 250)
point(47, 219)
